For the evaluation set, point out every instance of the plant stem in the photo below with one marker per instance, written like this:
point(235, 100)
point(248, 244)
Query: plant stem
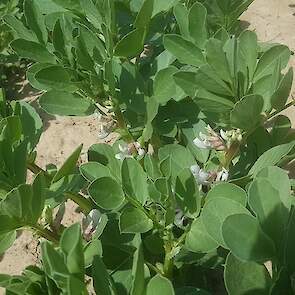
point(136, 204)
point(290, 104)
point(85, 204)
point(45, 233)
point(35, 168)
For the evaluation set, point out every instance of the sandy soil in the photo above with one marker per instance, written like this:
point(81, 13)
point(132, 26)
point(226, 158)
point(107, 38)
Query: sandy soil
point(273, 20)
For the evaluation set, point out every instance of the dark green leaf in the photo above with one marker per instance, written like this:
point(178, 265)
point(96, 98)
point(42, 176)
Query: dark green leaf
point(66, 104)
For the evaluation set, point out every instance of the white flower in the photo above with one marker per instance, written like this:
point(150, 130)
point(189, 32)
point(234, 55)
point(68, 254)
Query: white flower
point(127, 150)
point(124, 152)
point(222, 175)
point(201, 176)
point(90, 223)
point(210, 141)
point(231, 136)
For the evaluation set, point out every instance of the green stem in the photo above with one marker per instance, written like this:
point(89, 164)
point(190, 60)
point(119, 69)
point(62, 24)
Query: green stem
point(136, 204)
point(35, 168)
point(290, 104)
point(45, 233)
point(85, 204)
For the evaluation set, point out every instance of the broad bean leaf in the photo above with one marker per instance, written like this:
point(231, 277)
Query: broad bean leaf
point(66, 104)
point(215, 212)
point(159, 284)
point(187, 193)
point(131, 44)
point(104, 154)
point(134, 180)
point(185, 51)
point(35, 20)
point(165, 88)
point(32, 50)
point(133, 220)
point(94, 170)
point(198, 239)
point(197, 24)
point(56, 78)
point(228, 191)
point(102, 281)
point(269, 59)
point(247, 120)
point(265, 201)
point(138, 272)
point(271, 157)
point(245, 277)
point(69, 165)
point(280, 181)
point(106, 193)
point(281, 95)
point(243, 235)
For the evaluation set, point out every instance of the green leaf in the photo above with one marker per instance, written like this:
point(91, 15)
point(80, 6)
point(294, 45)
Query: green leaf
point(175, 158)
point(66, 104)
point(23, 205)
point(131, 44)
point(92, 13)
point(248, 53)
point(269, 59)
point(104, 154)
point(245, 238)
point(133, 220)
point(187, 81)
point(143, 17)
point(165, 87)
point(138, 272)
point(265, 201)
point(271, 157)
point(181, 14)
point(18, 27)
point(249, 119)
point(281, 95)
point(289, 255)
point(92, 249)
point(197, 23)
point(187, 193)
point(163, 6)
point(106, 193)
point(69, 4)
point(32, 71)
point(280, 181)
point(151, 166)
point(134, 180)
point(280, 129)
point(228, 191)
point(69, 166)
point(35, 20)
point(71, 245)
point(31, 122)
point(54, 265)
point(33, 51)
point(198, 240)
point(244, 277)
point(6, 241)
point(216, 58)
point(215, 212)
point(207, 78)
point(212, 103)
point(159, 285)
point(56, 78)
point(93, 170)
point(185, 51)
point(102, 281)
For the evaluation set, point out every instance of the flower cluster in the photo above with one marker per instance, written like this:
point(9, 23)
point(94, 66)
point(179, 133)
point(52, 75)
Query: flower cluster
point(219, 142)
point(129, 150)
point(206, 178)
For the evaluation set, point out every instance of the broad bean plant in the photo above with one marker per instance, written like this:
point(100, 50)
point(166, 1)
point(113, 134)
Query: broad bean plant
point(192, 198)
